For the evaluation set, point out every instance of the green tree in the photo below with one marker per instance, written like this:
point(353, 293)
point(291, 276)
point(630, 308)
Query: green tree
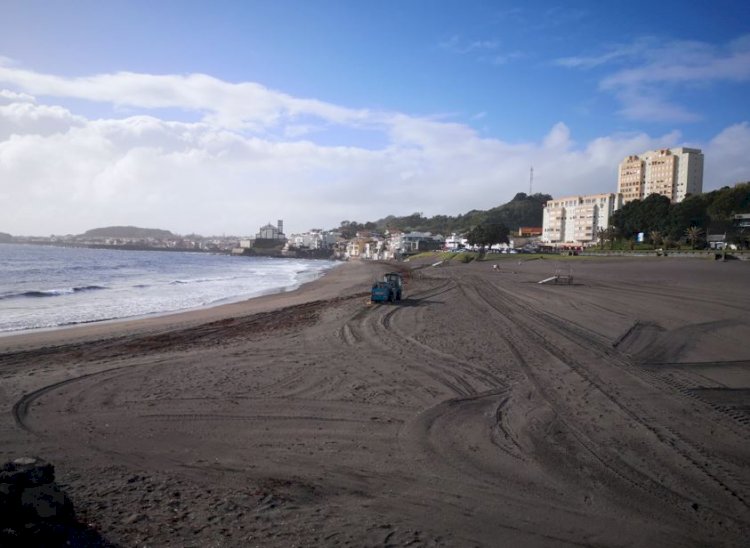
point(688, 213)
point(497, 233)
point(727, 202)
point(656, 238)
point(349, 229)
point(612, 233)
point(601, 235)
point(655, 209)
point(693, 235)
point(487, 235)
point(605, 235)
point(477, 236)
point(642, 216)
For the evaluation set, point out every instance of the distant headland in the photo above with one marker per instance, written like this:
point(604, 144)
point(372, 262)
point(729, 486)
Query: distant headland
point(128, 232)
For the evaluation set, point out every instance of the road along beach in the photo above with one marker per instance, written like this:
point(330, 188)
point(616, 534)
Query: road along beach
point(484, 409)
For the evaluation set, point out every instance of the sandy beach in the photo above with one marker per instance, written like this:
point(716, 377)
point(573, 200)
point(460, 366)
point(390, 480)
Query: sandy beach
point(483, 410)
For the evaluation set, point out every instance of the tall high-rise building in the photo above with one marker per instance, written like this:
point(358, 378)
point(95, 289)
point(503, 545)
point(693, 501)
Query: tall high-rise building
point(673, 172)
point(631, 178)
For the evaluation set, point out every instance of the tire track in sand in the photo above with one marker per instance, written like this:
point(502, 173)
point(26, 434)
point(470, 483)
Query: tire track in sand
point(668, 437)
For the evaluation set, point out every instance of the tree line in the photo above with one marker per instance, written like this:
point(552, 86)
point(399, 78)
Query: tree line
point(664, 223)
point(522, 210)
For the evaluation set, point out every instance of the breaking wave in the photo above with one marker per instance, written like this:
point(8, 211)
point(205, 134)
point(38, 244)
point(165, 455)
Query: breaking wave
point(51, 292)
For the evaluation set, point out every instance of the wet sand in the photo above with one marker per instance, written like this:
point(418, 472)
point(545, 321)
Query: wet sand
point(483, 410)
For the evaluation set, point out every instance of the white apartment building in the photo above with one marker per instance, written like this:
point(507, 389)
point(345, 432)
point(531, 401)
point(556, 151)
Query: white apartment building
point(314, 239)
point(576, 220)
point(454, 241)
point(413, 242)
point(674, 173)
point(367, 247)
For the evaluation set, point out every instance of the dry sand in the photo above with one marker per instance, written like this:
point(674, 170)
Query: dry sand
point(484, 410)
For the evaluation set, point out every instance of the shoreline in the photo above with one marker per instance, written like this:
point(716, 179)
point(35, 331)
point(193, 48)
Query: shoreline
point(216, 304)
point(358, 272)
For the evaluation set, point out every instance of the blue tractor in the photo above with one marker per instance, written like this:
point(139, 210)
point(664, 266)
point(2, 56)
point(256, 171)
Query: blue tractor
point(388, 290)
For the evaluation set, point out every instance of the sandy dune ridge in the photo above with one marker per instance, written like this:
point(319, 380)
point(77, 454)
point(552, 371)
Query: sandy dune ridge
point(483, 410)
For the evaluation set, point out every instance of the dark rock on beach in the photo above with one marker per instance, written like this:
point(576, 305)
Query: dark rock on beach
point(35, 511)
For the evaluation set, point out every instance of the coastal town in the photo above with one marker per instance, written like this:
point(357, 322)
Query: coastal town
point(574, 222)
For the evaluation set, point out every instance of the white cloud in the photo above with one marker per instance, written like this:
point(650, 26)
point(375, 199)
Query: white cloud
point(614, 53)
point(7, 97)
point(21, 118)
point(245, 105)
point(649, 86)
point(485, 51)
point(650, 104)
point(682, 62)
point(558, 138)
point(64, 173)
point(457, 44)
point(726, 157)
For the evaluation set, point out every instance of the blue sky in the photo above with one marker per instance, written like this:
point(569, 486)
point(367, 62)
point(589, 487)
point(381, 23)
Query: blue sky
point(443, 106)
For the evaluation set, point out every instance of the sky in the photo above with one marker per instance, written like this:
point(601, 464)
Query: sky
point(219, 117)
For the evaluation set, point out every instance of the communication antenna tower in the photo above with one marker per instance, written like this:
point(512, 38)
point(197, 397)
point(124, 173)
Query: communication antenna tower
point(531, 180)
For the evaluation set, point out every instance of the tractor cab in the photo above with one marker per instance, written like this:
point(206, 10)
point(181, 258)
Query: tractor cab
point(388, 290)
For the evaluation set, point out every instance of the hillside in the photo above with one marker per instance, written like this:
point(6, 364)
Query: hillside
point(522, 210)
point(127, 232)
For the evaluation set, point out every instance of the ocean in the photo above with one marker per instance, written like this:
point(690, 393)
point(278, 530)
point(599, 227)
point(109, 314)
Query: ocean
point(46, 286)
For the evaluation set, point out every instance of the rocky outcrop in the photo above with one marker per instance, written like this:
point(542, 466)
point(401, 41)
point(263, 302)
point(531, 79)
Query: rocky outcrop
point(34, 510)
